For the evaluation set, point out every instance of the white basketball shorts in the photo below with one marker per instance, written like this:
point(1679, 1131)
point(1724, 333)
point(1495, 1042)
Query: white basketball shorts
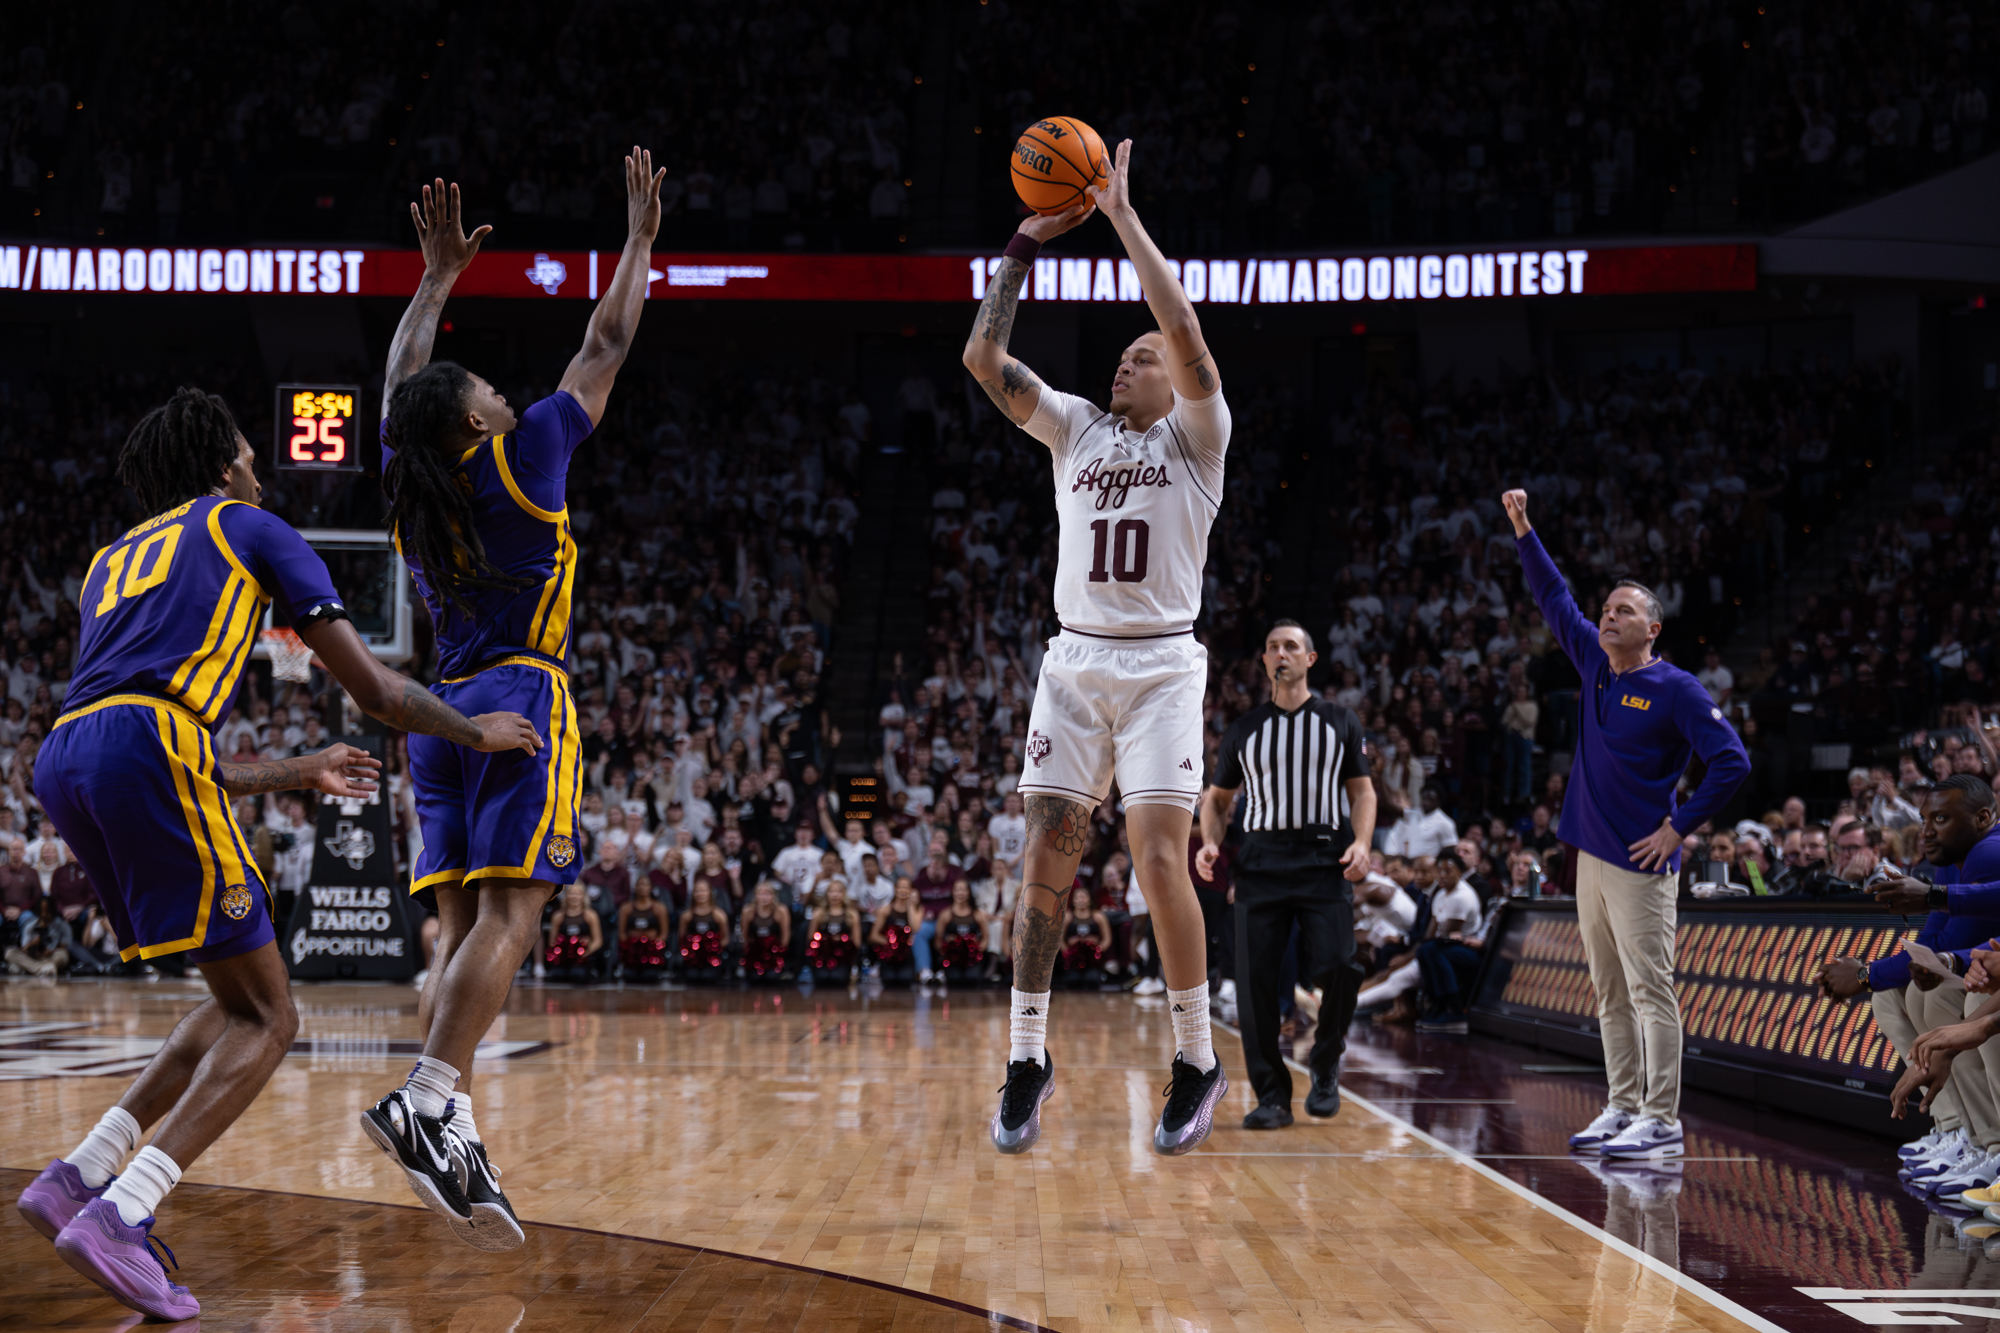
point(1108, 708)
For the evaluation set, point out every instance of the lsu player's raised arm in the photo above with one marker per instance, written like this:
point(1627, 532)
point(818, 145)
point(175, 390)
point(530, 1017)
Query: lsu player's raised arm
point(615, 322)
point(1189, 364)
point(1013, 387)
point(447, 253)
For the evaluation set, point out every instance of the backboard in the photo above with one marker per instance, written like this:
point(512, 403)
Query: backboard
point(373, 582)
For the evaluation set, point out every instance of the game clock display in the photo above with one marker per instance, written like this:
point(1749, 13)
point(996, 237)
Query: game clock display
point(316, 425)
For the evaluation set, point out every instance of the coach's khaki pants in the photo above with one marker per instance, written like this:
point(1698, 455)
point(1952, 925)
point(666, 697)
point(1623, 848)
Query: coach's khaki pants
point(1627, 919)
point(1908, 1013)
point(1975, 1073)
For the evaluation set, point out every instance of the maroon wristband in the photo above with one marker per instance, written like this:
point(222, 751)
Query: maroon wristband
point(1023, 248)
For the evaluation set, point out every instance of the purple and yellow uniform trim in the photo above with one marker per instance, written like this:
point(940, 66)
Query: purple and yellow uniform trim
point(170, 613)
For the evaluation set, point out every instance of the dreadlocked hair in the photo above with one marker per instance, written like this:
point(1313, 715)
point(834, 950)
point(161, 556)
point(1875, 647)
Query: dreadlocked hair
point(179, 451)
point(429, 513)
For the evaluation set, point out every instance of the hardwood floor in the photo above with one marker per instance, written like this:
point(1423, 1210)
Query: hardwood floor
point(840, 1135)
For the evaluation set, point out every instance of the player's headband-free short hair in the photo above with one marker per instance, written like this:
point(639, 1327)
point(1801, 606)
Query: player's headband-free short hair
point(1978, 795)
point(1289, 623)
point(1656, 611)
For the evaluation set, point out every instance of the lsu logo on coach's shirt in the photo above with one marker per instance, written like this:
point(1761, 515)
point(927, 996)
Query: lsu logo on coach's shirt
point(1639, 702)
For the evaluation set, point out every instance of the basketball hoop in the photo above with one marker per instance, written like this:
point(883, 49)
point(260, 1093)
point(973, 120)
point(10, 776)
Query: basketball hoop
point(290, 658)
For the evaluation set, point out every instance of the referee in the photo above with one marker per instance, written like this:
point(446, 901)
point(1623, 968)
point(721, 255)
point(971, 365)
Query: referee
point(1307, 825)
point(1639, 722)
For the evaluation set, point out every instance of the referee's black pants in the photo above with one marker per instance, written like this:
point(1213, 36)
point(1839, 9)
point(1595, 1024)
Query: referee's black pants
point(1278, 888)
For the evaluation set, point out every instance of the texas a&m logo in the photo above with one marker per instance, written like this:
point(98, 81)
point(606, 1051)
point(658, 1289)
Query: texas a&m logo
point(1038, 747)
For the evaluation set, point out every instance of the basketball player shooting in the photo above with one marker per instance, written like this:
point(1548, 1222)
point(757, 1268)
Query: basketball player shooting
point(1120, 695)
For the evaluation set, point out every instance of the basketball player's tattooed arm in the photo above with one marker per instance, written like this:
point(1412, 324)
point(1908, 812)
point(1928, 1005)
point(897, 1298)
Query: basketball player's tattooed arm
point(1189, 365)
point(338, 770)
point(447, 252)
point(1011, 385)
point(394, 698)
point(1060, 829)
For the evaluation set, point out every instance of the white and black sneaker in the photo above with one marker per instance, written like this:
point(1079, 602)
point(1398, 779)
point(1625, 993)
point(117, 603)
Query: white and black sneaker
point(1018, 1122)
point(421, 1146)
point(492, 1224)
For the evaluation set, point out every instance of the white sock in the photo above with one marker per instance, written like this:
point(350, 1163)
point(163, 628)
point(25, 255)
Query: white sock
point(461, 1116)
point(1191, 1030)
point(1030, 1026)
point(138, 1191)
point(105, 1148)
point(429, 1085)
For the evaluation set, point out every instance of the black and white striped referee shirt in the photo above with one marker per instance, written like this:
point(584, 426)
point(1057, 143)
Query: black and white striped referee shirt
point(1293, 767)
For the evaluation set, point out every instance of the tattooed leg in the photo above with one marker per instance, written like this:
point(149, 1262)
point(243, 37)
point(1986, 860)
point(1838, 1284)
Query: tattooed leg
point(1058, 831)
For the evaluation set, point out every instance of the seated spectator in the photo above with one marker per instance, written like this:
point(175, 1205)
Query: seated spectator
point(20, 890)
point(1452, 907)
point(1424, 831)
point(835, 935)
point(45, 939)
point(873, 889)
point(642, 933)
point(703, 933)
point(575, 938)
point(1524, 875)
point(607, 882)
point(724, 883)
point(1448, 961)
point(766, 934)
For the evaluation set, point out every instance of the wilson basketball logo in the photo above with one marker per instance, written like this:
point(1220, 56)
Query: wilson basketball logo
point(1031, 158)
point(1038, 747)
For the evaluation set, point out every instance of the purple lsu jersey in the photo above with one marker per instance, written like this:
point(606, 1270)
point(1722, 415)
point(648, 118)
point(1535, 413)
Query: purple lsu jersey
point(507, 816)
point(516, 482)
point(172, 608)
point(129, 773)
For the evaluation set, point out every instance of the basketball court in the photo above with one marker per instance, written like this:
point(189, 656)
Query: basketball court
point(778, 1160)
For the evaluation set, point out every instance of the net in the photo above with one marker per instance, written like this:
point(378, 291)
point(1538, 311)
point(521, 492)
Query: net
point(290, 658)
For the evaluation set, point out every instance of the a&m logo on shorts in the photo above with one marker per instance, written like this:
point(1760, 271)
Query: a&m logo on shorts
point(1038, 747)
point(236, 902)
point(560, 851)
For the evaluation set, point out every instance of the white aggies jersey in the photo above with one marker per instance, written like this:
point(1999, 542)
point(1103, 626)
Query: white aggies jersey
point(1135, 512)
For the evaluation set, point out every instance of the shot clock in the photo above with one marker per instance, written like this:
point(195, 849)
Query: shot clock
point(316, 427)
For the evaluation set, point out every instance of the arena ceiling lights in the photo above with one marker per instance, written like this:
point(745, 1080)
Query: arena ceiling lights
point(1441, 277)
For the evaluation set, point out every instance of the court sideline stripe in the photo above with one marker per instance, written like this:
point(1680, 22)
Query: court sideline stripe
point(1549, 1206)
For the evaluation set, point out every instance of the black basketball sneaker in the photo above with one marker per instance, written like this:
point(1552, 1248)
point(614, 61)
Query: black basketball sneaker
point(422, 1147)
point(1018, 1122)
point(1192, 1097)
point(492, 1224)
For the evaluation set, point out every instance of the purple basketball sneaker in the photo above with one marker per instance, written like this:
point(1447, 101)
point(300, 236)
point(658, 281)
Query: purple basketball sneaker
point(1191, 1101)
point(121, 1259)
point(54, 1198)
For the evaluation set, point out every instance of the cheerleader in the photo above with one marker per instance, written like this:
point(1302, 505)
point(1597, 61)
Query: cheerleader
point(704, 933)
point(836, 929)
point(642, 933)
point(895, 929)
point(961, 936)
point(767, 935)
point(1086, 938)
point(575, 935)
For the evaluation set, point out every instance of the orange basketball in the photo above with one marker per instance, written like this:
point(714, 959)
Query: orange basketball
point(1054, 160)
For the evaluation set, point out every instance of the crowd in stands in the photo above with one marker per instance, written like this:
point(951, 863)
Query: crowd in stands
point(1353, 121)
point(715, 518)
point(780, 126)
